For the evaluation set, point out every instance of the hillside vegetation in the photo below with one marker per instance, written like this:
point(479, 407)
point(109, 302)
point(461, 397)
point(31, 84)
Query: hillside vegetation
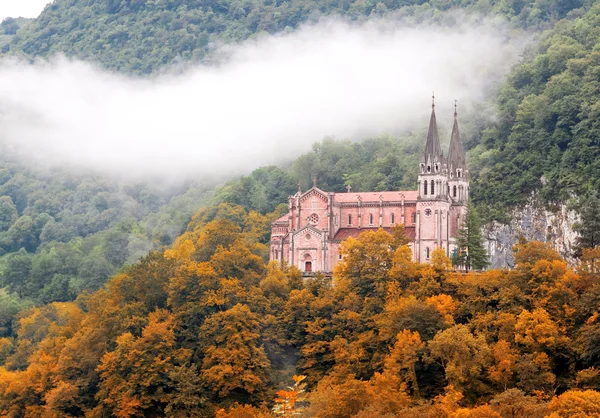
point(141, 37)
point(545, 140)
point(62, 233)
point(207, 325)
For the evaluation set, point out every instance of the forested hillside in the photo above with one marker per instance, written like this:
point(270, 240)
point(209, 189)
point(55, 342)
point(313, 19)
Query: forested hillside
point(141, 37)
point(545, 139)
point(63, 233)
point(206, 328)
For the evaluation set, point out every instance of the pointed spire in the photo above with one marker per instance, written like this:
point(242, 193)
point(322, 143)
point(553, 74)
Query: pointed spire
point(432, 146)
point(456, 154)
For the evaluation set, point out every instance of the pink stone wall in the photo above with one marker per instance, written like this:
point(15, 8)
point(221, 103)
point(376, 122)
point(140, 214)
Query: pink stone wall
point(313, 204)
point(308, 247)
point(430, 232)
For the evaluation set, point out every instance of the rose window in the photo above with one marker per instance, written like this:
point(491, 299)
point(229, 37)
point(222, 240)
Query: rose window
point(428, 212)
point(313, 219)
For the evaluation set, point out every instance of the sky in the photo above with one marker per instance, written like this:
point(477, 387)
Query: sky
point(21, 8)
point(268, 103)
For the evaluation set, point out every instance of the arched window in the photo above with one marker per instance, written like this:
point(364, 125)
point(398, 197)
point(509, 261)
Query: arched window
point(427, 253)
point(276, 255)
point(393, 218)
point(349, 219)
point(308, 267)
point(454, 191)
point(370, 219)
point(414, 217)
point(422, 168)
point(425, 187)
point(429, 169)
point(437, 168)
point(458, 173)
point(432, 187)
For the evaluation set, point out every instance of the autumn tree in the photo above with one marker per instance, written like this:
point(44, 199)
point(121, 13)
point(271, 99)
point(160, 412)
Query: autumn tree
point(366, 261)
point(138, 376)
point(234, 361)
point(290, 402)
point(403, 357)
point(575, 403)
point(464, 356)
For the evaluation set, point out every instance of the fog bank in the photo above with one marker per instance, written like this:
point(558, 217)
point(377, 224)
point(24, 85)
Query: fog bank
point(269, 101)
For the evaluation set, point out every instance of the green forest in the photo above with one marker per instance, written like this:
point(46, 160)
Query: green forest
point(132, 299)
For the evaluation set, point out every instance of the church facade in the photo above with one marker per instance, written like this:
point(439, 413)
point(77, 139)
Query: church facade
point(310, 234)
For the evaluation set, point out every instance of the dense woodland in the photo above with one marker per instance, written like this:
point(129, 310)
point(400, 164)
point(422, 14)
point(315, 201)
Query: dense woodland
point(142, 36)
point(207, 328)
point(202, 326)
point(63, 233)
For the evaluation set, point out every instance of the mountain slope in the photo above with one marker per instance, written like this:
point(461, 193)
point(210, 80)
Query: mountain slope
point(140, 37)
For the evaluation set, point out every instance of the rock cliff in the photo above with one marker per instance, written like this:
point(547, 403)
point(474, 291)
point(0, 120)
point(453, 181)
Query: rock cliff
point(535, 222)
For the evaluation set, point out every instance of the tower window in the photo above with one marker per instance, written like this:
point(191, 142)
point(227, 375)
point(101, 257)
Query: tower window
point(425, 187)
point(432, 187)
point(370, 219)
point(414, 217)
point(393, 218)
point(349, 219)
point(458, 173)
point(437, 168)
point(422, 168)
point(276, 255)
point(429, 169)
point(454, 191)
point(427, 253)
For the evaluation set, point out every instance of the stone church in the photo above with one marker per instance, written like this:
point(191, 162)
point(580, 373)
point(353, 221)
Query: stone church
point(309, 235)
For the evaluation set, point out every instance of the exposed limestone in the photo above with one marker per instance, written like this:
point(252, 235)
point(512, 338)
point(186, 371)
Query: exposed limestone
point(534, 222)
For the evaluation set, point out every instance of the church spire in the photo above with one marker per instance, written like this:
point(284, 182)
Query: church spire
point(456, 154)
point(433, 151)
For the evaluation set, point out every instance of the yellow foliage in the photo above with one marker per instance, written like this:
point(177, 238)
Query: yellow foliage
point(440, 261)
point(181, 250)
point(446, 305)
point(538, 331)
point(575, 404)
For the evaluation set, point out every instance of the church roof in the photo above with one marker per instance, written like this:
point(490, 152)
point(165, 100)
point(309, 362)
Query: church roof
point(456, 154)
point(374, 196)
point(284, 218)
point(345, 233)
point(433, 149)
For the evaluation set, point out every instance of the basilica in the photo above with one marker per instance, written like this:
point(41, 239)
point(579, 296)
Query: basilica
point(309, 235)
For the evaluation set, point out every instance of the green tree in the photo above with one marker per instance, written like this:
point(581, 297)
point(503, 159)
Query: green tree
point(588, 226)
point(470, 250)
point(8, 213)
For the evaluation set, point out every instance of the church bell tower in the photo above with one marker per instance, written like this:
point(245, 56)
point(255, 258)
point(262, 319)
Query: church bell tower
point(433, 203)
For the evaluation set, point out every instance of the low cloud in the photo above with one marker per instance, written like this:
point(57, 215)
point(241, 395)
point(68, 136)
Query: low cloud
point(268, 101)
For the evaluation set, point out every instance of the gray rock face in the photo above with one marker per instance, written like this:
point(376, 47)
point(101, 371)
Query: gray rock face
point(534, 222)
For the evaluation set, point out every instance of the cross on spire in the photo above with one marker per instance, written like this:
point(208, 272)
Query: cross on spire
point(433, 100)
point(314, 181)
point(455, 114)
point(348, 187)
